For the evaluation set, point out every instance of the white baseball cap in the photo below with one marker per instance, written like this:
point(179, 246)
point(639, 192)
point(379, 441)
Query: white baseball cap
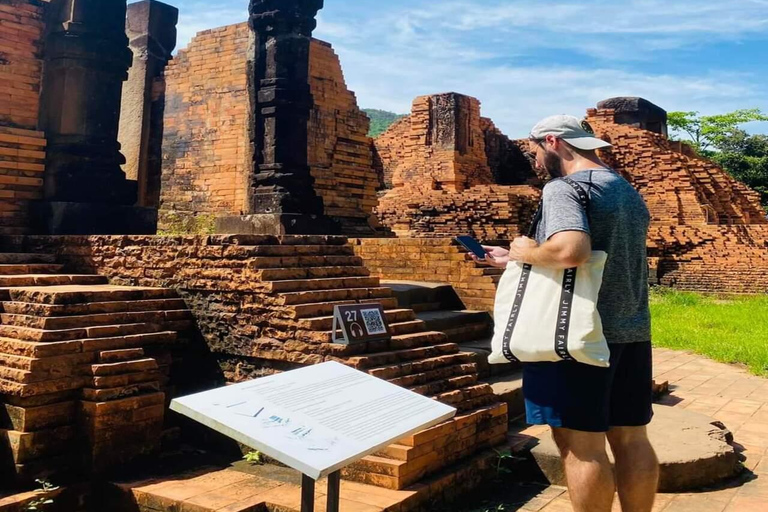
point(577, 133)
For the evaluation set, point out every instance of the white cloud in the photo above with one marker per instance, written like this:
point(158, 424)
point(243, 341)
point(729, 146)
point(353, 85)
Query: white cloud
point(501, 51)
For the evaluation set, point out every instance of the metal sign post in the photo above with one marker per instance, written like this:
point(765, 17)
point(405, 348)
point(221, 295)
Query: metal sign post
point(308, 493)
point(318, 419)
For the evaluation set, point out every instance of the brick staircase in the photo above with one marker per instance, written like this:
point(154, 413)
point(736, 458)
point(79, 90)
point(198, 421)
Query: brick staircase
point(265, 304)
point(301, 292)
point(83, 367)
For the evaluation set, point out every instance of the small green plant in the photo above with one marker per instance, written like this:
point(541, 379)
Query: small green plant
point(503, 456)
point(43, 501)
point(254, 458)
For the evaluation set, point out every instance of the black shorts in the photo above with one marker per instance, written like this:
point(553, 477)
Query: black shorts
point(592, 399)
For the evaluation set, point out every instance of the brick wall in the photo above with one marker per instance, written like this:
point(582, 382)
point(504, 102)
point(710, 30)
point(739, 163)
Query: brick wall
point(430, 260)
point(22, 147)
point(486, 212)
point(21, 29)
point(205, 141)
point(206, 150)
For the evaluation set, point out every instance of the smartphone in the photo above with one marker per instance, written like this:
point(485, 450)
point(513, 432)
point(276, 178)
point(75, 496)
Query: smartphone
point(472, 246)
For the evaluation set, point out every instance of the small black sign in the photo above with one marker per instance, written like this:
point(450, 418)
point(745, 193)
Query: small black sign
point(360, 323)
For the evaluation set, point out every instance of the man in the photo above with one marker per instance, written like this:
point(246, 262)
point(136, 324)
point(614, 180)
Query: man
point(585, 404)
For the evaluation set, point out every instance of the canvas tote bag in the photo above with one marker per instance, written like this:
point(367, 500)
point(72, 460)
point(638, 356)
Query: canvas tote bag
point(545, 314)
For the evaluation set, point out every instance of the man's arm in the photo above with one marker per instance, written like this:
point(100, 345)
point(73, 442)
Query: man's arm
point(566, 249)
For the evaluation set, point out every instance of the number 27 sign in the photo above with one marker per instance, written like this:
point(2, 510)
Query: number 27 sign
point(359, 323)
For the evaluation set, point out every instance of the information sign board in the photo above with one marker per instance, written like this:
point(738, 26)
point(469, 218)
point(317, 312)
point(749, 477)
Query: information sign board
point(317, 419)
point(359, 323)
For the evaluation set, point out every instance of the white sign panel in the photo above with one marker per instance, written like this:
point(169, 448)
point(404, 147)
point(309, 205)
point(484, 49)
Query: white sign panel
point(317, 419)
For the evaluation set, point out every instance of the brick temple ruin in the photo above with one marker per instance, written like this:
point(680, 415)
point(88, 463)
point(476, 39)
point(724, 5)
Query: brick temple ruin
point(251, 133)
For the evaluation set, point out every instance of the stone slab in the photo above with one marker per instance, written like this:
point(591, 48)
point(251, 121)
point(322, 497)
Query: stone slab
point(693, 451)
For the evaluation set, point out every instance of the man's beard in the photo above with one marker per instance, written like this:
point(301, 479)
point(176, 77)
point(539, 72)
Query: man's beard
point(553, 165)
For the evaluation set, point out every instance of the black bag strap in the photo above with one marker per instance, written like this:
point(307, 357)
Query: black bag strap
point(584, 199)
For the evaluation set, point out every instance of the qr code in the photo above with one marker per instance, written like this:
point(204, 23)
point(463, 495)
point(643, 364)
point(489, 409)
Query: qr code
point(374, 324)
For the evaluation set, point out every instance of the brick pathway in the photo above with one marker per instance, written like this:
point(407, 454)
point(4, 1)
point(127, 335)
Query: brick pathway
point(727, 393)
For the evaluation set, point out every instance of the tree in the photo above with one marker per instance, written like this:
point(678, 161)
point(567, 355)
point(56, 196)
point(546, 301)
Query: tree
point(380, 120)
point(709, 132)
point(719, 137)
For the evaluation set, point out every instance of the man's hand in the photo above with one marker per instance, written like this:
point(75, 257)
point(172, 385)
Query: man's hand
point(494, 256)
point(520, 248)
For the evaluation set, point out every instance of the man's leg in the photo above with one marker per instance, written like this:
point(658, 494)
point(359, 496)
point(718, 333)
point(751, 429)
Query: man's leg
point(637, 468)
point(587, 469)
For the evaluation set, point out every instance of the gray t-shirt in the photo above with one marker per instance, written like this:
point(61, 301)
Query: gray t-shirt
point(617, 224)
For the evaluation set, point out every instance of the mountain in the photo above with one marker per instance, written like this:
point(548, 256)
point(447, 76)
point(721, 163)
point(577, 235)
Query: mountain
point(380, 120)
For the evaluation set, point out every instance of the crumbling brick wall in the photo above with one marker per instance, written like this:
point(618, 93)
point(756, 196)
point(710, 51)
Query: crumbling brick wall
point(206, 155)
point(22, 147)
point(678, 188)
point(486, 212)
point(441, 163)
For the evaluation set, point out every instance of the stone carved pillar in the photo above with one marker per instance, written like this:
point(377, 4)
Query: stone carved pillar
point(281, 195)
point(151, 29)
point(87, 59)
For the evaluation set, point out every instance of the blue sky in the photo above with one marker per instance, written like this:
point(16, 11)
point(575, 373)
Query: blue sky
point(526, 59)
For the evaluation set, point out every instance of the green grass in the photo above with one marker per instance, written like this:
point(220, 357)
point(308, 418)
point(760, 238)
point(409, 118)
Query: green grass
point(730, 329)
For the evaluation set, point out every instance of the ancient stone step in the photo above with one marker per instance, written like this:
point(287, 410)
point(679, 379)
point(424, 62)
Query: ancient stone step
point(38, 350)
point(121, 367)
point(325, 309)
point(438, 374)
point(65, 295)
point(321, 284)
point(326, 322)
point(316, 296)
point(381, 361)
point(429, 383)
point(70, 322)
point(469, 333)
point(22, 280)
point(114, 356)
point(45, 336)
point(30, 419)
point(425, 306)
point(406, 327)
point(46, 310)
point(125, 379)
point(42, 365)
point(9, 269)
point(246, 251)
point(285, 274)
point(417, 339)
point(304, 262)
point(116, 393)
point(411, 293)
point(444, 319)
point(11, 258)
point(459, 396)
point(418, 365)
point(47, 387)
